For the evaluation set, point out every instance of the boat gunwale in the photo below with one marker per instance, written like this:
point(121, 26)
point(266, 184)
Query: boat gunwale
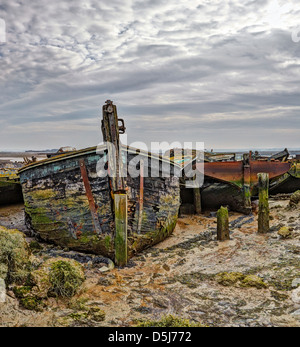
point(95, 149)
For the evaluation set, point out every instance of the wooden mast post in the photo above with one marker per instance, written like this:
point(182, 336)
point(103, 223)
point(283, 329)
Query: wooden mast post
point(111, 135)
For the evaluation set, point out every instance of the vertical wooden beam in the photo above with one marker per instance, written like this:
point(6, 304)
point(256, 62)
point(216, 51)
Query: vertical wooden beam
point(89, 194)
point(141, 197)
point(111, 135)
point(247, 180)
point(197, 200)
point(121, 220)
point(263, 207)
point(222, 224)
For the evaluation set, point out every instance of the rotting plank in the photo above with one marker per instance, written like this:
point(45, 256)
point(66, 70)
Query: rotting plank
point(141, 197)
point(121, 251)
point(263, 213)
point(89, 194)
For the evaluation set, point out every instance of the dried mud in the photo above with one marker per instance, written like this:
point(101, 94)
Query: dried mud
point(181, 276)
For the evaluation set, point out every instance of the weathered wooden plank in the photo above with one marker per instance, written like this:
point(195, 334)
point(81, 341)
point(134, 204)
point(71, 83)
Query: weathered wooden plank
point(90, 197)
point(263, 207)
point(141, 197)
point(121, 253)
point(222, 224)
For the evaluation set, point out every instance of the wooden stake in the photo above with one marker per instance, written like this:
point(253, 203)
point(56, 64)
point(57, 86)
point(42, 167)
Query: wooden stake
point(263, 207)
point(121, 219)
point(197, 200)
point(222, 224)
point(141, 197)
point(247, 180)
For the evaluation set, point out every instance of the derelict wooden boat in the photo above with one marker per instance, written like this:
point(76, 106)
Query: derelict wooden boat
point(231, 183)
point(67, 203)
point(287, 183)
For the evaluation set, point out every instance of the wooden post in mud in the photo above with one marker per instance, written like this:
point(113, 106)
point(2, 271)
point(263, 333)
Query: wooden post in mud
point(222, 224)
point(263, 207)
point(121, 229)
point(197, 200)
point(141, 197)
point(247, 181)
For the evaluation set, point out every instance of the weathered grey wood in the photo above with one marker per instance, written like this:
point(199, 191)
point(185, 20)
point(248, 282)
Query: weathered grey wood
point(222, 224)
point(263, 207)
point(121, 248)
point(111, 136)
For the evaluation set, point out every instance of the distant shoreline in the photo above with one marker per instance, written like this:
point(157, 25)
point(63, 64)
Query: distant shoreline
point(22, 154)
point(11, 156)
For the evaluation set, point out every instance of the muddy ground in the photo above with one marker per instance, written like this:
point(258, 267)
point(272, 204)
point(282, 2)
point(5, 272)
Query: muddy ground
point(181, 276)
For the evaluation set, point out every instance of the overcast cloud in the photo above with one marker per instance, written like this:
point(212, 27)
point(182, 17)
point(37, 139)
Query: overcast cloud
point(223, 72)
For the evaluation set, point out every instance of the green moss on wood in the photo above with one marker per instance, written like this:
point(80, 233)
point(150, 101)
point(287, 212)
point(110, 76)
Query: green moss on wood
point(263, 208)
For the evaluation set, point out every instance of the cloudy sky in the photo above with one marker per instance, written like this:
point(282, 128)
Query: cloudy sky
point(223, 72)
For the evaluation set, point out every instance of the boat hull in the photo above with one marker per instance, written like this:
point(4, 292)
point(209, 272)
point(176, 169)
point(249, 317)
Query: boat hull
point(58, 208)
point(10, 192)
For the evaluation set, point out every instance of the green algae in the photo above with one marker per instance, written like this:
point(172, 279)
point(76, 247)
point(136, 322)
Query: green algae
point(14, 256)
point(253, 281)
point(284, 232)
point(229, 278)
point(240, 280)
point(57, 277)
point(295, 199)
point(169, 321)
point(93, 313)
point(21, 291)
point(32, 304)
point(65, 278)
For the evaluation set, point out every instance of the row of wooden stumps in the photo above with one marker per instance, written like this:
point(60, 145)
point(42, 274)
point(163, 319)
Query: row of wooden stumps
point(263, 211)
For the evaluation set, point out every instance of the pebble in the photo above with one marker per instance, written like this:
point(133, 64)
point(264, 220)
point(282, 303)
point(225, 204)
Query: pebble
point(296, 295)
point(104, 269)
point(296, 282)
point(296, 314)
